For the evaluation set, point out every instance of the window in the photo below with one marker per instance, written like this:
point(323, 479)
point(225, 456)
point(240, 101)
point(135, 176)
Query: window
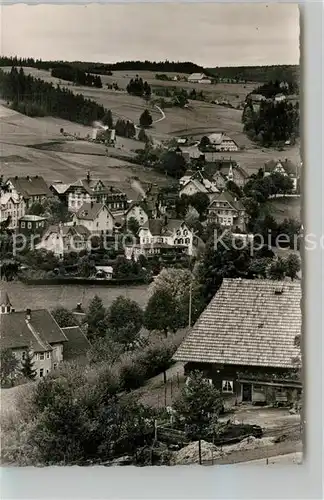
point(41, 372)
point(48, 355)
point(41, 356)
point(23, 356)
point(55, 366)
point(22, 224)
point(29, 225)
point(227, 386)
point(35, 356)
point(187, 240)
point(185, 232)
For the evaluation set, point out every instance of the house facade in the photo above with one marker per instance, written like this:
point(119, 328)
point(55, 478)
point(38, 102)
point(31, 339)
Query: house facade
point(137, 212)
point(245, 341)
point(96, 217)
point(195, 183)
point(223, 142)
point(227, 211)
point(224, 170)
point(61, 239)
point(33, 189)
point(172, 232)
point(285, 167)
point(12, 207)
point(33, 331)
point(94, 190)
point(32, 224)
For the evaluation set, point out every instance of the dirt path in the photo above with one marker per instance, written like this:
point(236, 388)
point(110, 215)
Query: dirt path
point(265, 452)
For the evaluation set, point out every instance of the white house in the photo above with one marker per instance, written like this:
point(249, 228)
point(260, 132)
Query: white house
point(173, 232)
point(223, 142)
point(284, 167)
point(96, 217)
point(61, 239)
point(198, 78)
point(136, 211)
point(12, 206)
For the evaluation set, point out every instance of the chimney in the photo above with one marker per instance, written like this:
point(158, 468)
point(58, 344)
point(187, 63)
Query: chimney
point(92, 204)
point(16, 177)
point(88, 176)
point(28, 314)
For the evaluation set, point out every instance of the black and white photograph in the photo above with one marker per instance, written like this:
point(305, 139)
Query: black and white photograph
point(151, 235)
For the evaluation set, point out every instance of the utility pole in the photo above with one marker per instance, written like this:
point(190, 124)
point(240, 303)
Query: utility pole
point(190, 303)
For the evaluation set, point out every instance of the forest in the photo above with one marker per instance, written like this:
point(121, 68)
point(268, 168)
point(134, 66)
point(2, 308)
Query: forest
point(77, 76)
point(34, 97)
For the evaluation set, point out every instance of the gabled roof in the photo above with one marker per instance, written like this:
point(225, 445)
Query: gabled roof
point(89, 211)
point(66, 230)
point(4, 299)
point(247, 323)
point(30, 186)
point(196, 76)
point(199, 185)
point(140, 204)
point(159, 227)
point(77, 345)
point(38, 332)
point(59, 187)
point(226, 196)
point(289, 167)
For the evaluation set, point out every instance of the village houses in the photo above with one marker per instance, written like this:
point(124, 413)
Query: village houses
point(62, 239)
point(94, 190)
point(96, 217)
point(245, 341)
point(196, 182)
point(36, 331)
point(31, 189)
point(228, 211)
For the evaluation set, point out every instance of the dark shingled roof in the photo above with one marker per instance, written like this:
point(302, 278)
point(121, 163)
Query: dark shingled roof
point(226, 196)
point(30, 186)
point(40, 331)
point(77, 345)
point(89, 211)
point(248, 322)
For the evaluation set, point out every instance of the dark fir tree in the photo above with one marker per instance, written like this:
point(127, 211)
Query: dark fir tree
point(27, 367)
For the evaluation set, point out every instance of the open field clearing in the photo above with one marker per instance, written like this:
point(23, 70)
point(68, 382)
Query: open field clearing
point(285, 208)
point(49, 297)
point(233, 92)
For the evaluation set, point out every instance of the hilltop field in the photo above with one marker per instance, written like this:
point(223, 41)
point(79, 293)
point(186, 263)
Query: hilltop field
point(36, 146)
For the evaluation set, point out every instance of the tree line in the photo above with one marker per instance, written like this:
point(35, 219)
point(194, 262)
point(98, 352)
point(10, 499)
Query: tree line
point(283, 73)
point(34, 97)
point(106, 69)
point(77, 76)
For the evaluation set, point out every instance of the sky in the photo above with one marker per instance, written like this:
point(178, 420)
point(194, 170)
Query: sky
point(207, 34)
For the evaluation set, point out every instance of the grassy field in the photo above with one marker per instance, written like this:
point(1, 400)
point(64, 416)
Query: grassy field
point(70, 160)
point(62, 159)
point(285, 208)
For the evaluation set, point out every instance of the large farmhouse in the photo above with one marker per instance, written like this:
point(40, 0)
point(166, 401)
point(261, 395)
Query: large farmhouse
point(245, 340)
